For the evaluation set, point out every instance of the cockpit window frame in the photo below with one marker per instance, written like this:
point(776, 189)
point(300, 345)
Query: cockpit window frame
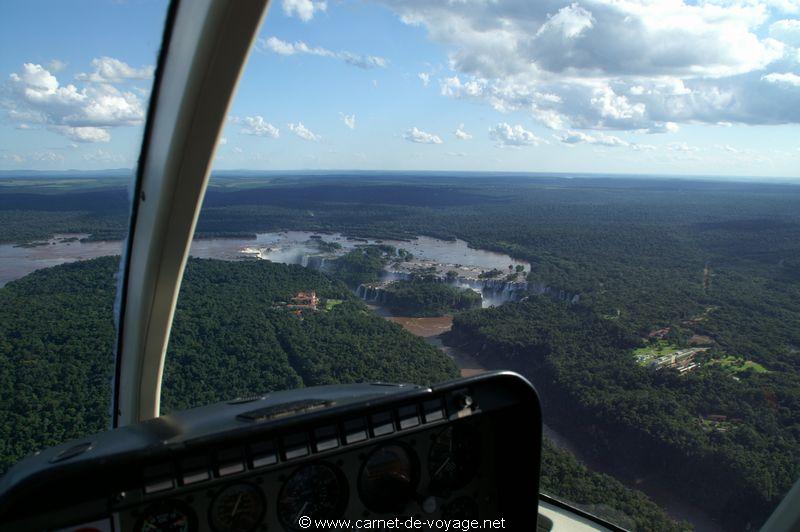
point(206, 45)
point(136, 194)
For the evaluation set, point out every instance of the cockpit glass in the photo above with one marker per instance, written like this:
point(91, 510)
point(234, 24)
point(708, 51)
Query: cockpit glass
point(602, 196)
point(76, 81)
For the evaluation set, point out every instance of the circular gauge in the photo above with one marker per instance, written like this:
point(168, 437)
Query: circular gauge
point(461, 508)
point(453, 458)
point(317, 491)
point(167, 516)
point(237, 508)
point(388, 479)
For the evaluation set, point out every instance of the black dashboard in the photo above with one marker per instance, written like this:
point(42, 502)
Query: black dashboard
point(360, 454)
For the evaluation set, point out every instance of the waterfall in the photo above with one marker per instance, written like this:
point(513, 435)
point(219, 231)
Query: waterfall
point(314, 262)
point(493, 292)
point(372, 293)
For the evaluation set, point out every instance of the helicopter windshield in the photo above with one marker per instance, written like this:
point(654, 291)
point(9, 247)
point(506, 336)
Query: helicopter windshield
point(601, 196)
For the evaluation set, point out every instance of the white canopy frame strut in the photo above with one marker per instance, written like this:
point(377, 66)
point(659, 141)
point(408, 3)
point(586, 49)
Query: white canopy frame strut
point(205, 49)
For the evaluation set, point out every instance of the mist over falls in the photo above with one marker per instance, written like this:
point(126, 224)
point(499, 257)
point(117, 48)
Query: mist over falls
point(493, 292)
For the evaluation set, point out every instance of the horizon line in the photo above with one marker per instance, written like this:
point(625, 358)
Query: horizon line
point(557, 174)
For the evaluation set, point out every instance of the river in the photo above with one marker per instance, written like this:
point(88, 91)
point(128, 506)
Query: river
point(288, 247)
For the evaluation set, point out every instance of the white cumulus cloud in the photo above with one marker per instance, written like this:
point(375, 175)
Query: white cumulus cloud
point(601, 139)
point(111, 70)
point(787, 78)
point(682, 147)
point(15, 158)
point(425, 78)
point(303, 132)
point(84, 134)
point(662, 127)
point(256, 126)
point(303, 9)
point(35, 96)
point(507, 135)
point(461, 133)
point(569, 22)
point(349, 120)
point(421, 137)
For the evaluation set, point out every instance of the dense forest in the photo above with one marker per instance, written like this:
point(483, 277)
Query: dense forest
point(231, 331)
point(233, 336)
point(710, 262)
point(646, 420)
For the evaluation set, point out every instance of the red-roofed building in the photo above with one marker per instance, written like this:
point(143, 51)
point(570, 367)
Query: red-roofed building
point(304, 300)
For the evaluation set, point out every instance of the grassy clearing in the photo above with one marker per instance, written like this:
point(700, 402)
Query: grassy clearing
point(738, 364)
point(720, 426)
point(330, 303)
point(661, 348)
point(647, 353)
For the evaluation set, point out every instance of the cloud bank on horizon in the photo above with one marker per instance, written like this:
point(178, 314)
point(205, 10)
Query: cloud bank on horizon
point(637, 85)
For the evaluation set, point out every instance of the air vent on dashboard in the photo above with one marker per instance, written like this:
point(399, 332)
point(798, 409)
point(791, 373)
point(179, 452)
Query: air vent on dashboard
point(275, 411)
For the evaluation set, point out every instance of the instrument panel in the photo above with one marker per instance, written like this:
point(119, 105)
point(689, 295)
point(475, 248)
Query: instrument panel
point(431, 473)
point(279, 462)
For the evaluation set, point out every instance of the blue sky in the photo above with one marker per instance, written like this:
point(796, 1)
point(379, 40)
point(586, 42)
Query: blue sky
point(668, 87)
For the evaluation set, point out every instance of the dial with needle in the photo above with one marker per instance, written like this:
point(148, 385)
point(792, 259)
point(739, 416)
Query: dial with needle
point(301, 512)
point(236, 505)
